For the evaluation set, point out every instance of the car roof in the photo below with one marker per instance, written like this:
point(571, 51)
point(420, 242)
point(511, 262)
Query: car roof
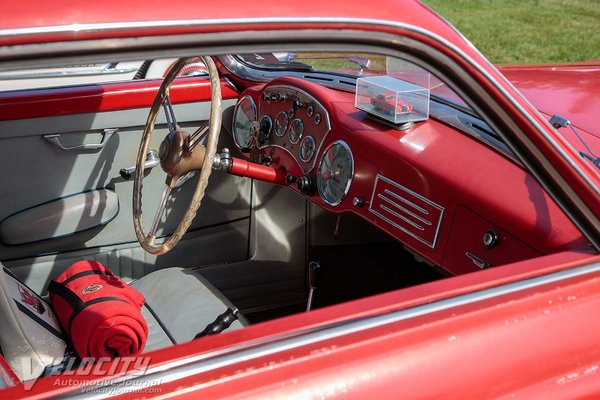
point(33, 18)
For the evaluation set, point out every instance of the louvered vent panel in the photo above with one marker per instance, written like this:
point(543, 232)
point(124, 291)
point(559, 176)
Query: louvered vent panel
point(406, 210)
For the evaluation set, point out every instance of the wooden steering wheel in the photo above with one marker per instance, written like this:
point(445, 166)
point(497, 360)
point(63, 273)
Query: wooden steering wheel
point(180, 153)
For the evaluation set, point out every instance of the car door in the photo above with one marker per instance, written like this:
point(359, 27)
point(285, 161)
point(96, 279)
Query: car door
point(62, 195)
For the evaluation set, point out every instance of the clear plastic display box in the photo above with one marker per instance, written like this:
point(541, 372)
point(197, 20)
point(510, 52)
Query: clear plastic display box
point(394, 100)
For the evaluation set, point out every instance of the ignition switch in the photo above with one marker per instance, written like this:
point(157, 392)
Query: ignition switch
point(490, 239)
point(306, 184)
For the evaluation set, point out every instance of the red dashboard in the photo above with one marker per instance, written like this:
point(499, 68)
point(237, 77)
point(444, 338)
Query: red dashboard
point(450, 198)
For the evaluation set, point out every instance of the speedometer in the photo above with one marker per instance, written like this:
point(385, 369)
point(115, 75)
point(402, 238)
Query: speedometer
point(244, 119)
point(336, 170)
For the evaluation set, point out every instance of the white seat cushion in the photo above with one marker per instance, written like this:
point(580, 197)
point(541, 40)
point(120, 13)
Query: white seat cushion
point(30, 335)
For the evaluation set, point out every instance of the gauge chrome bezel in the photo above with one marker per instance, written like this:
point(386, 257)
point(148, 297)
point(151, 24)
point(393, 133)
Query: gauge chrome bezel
point(235, 112)
point(348, 184)
point(314, 151)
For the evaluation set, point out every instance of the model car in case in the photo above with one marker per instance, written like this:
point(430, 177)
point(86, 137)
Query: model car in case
point(387, 103)
point(237, 225)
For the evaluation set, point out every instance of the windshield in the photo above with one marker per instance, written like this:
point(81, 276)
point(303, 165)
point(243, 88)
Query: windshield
point(346, 67)
point(355, 65)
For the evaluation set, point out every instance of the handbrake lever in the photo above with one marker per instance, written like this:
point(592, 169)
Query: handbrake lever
point(312, 270)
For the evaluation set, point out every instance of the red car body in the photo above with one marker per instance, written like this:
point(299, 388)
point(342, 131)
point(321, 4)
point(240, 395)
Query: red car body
point(525, 330)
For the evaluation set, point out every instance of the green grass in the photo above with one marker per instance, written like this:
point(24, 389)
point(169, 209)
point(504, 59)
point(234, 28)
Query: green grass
point(527, 31)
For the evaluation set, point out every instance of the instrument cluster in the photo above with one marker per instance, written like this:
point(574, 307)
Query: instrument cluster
point(290, 120)
point(286, 118)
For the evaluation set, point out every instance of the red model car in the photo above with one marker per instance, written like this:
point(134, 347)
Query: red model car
point(454, 259)
point(387, 104)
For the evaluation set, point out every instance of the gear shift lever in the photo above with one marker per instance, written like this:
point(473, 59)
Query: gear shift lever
point(312, 269)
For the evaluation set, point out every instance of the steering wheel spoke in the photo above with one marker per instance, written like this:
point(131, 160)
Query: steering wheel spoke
point(169, 113)
point(160, 211)
point(176, 159)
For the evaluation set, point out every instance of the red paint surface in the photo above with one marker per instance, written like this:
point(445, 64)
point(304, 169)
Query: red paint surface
point(71, 14)
point(105, 97)
point(248, 169)
point(568, 90)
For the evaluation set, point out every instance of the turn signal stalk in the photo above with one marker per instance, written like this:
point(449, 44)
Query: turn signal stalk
point(236, 166)
point(265, 173)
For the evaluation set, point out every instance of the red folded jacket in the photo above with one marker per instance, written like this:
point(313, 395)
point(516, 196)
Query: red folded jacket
point(98, 311)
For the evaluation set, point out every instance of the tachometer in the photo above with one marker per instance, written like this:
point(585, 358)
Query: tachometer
point(244, 120)
point(336, 170)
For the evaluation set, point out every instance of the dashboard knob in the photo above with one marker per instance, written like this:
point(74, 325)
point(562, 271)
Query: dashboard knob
point(358, 201)
point(490, 239)
point(282, 97)
point(289, 179)
point(307, 184)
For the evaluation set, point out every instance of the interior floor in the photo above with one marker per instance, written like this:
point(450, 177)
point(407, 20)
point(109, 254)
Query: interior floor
point(351, 272)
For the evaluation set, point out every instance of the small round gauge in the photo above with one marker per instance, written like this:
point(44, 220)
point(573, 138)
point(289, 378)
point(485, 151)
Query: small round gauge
point(318, 119)
point(296, 130)
point(336, 170)
point(307, 148)
point(281, 123)
point(244, 119)
point(266, 126)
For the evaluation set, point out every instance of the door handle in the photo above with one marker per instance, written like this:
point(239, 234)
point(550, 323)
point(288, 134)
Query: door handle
point(152, 160)
point(54, 139)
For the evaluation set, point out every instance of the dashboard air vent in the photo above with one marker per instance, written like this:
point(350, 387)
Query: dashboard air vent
point(406, 210)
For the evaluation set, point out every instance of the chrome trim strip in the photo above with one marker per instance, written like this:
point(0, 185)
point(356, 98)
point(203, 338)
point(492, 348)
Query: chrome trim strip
point(417, 195)
point(259, 348)
point(394, 213)
point(405, 201)
point(398, 206)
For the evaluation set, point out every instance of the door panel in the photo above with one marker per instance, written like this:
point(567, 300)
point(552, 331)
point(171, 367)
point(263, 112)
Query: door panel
point(36, 172)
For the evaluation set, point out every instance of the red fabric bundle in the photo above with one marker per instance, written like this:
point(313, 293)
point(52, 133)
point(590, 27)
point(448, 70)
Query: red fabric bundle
point(100, 313)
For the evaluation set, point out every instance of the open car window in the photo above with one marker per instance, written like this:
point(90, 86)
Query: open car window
point(86, 74)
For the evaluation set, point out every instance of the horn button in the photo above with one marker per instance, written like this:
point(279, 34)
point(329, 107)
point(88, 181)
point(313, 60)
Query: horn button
point(172, 149)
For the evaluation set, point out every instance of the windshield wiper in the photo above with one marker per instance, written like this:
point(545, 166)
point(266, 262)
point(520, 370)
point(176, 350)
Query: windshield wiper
point(558, 121)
